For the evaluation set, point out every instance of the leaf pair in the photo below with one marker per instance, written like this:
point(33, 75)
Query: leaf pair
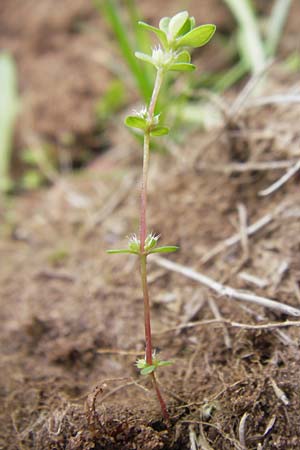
point(146, 369)
point(178, 25)
point(168, 60)
point(164, 249)
point(179, 31)
point(150, 246)
point(142, 124)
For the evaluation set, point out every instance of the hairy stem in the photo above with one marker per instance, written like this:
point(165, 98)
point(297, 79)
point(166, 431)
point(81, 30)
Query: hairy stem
point(147, 318)
point(146, 154)
point(143, 218)
point(143, 235)
point(160, 399)
point(155, 93)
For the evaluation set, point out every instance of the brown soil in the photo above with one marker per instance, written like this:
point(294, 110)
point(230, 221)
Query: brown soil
point(72, 316)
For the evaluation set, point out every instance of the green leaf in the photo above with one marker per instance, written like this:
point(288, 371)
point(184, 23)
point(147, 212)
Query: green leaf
point(164, 363)
point(159, 131)
point(164, 24)
point(119, 26)
point(182, 67)
point(188, 26)
point(183, 57)
point(198, 36)
point(147, 370)
point(136, 122)
point(165, 249)
point(159, 33)
point(121, 250)
point(141, 363)
point(144, 57)
point(177, 23)
point(8, 111)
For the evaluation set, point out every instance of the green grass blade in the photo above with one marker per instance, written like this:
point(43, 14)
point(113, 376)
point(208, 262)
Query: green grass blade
point(110, 9)
point(276, 24)
point(8, 111)
point(142, 39)
point(251, 44)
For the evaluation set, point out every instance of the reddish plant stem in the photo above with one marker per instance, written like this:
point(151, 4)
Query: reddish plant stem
point(143, 216)
point(147, 318)
point(148, 336)
point(160, 399)
point(143, 235)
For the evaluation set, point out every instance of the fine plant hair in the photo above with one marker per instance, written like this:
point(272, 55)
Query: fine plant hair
point(176, 36)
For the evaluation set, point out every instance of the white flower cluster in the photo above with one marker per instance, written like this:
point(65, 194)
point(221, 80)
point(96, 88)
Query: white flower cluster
point(162, 58)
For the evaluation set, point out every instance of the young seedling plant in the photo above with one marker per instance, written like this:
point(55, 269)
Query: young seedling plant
point(176, 35)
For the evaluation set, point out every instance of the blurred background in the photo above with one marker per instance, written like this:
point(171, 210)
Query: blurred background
point(68, 74)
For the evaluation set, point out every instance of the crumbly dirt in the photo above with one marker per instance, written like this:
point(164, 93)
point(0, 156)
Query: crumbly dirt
point(72, 316)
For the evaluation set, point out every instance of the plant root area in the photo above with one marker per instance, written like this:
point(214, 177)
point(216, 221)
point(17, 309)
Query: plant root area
point(72, 315)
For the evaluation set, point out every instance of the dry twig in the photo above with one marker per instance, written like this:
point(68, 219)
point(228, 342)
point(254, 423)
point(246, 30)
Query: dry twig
point(115, 351)
point(247, 166)
point(245, 326)
point(224, 290)
point(236, 238)
point(283, 337)
point(252, 279)
point(242, 211)
point(279, 393)
point(242, 430)
point(280, 99)
point(216, 312)
point(200, 442)
point(279, 183)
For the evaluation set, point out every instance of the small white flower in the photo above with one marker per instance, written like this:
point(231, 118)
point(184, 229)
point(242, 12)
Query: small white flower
point(162, 58)
point(134, 243)
point(141, 363)
point(155, 120)
point(143, 112)
point(151, 241)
